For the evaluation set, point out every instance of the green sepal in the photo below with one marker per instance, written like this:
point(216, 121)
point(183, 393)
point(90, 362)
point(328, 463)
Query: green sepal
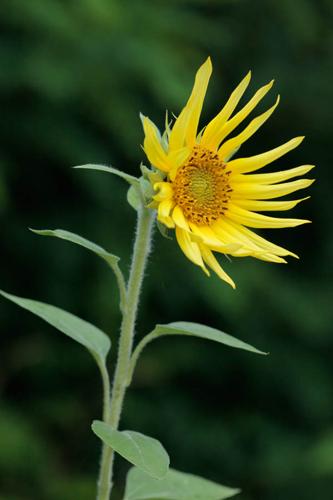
point(175, 486)
point(134, 197)
point(146, 453)
point(165, 232)
point(146, 190)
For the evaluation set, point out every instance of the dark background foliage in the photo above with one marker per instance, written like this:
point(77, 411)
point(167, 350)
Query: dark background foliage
point(74, 76)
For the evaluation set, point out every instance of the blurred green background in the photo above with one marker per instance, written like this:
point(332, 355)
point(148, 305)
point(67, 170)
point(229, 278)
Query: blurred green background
point(74, 75)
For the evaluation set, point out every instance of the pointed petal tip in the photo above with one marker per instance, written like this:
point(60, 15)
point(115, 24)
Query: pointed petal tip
point(248, 76)
point(207, 65)
point(205, 270)
point(304, 221)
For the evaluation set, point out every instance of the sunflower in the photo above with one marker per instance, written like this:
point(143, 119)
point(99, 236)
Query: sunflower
point(210, 199)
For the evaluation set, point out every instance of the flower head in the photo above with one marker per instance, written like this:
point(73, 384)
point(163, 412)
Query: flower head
point(210, 199)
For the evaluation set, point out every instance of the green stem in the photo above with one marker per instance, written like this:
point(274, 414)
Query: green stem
point(104, 472)
point(121, 286)
point(136, 353)
point(140, 253)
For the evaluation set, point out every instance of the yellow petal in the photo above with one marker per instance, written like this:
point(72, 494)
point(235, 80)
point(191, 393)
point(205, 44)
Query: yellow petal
point(152, 145)
point(211, 261)
point(177, 158)
point(184, 131)
point(167, 221)
point(232, 144)
point(262, 191)
point(206, 235)
point(252, 219)
point(231, 124)
point(257, 246)
point(264, 244)
point(242, 165)
point(268, 206)
point(179, 219)
point(164, 189)
point(210, 135)
point(190, 248)
point(163, 213)
point(273, 177)
point(227, 230)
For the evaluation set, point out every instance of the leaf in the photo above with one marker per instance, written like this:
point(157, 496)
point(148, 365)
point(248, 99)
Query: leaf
point(86, 334)
point(103, 168)
point(79, 240)
point(202, 331)
point(111, 259)
point(142, 451)
point(175, 486)
point(192, 330)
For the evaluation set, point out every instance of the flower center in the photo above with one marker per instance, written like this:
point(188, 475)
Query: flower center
point(201, 187)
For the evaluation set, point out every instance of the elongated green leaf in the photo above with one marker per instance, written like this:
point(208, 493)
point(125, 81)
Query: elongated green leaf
point(142, 451)
point(79, 240)
point(103, 168)
point(204, 332)
point(175, 486)
point(86, 334)
point(191, 330)
point(111, 259)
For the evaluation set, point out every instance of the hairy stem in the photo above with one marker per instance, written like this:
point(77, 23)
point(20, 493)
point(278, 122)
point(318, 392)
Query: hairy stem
point(140, 253)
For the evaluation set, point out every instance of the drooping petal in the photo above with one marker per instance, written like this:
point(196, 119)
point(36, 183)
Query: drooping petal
point(258, 246)
point(253, 126)
point(211, 261)
point(184, 130)
point(252, 219)
point(258, 240)
point(231, 124)
point(152, 145)
point(190, 248)
point(211, 133)
point(267, 191)
point(242, 165)
point(207, 236)
point(273, 177)
point(179, 219)
point(268, 206)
